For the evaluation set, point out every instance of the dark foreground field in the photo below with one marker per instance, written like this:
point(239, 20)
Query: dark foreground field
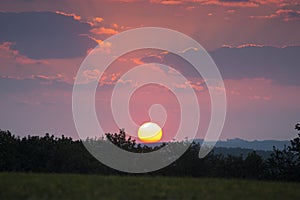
point(65, 186)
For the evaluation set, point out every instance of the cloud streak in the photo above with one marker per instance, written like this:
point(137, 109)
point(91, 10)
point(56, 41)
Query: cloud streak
point(282, 14)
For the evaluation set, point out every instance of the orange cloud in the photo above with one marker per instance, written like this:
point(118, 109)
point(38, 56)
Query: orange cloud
point(171, 2)
point(76, 17)
point(249, 45)
point(137, 61)
point(96, 40)
point(105, 79)
point(124, 1)
point(109, 78)
point(197, 86)
point(102, 30)
point(98, 19)
point(95, 21)
point(115, 25)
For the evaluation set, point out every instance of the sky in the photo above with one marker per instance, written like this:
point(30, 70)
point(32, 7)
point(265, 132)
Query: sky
point(254, 43)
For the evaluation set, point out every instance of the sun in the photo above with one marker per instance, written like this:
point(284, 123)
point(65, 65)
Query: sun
point(150, 132)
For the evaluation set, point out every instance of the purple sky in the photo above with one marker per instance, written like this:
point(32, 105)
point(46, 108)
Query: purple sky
point(255, 44)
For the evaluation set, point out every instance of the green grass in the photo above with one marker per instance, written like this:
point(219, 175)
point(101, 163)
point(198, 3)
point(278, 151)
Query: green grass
point(85, 187)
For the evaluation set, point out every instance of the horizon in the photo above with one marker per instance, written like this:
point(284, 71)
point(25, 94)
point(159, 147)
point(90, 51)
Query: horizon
point(141, 142)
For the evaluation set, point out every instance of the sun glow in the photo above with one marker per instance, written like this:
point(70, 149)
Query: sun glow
point(150, 132)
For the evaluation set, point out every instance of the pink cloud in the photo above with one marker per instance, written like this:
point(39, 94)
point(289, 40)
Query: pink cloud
point(247, 90)
point(189, 8)
point(249, 45)
point(6, 51)
point(231, 11)
point(278, 3)
point(246, 45)
point(91, 74)
point(249, 3)
point(230, 3)
point(285, 15)
point(262, 98)
point(16, 65)
point(50, 78)
point(227, 3)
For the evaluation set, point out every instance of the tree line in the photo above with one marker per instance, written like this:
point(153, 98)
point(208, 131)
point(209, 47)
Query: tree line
point(49, 154)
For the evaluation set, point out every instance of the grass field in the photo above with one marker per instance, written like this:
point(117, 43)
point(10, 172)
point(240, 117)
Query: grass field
point(85, 187)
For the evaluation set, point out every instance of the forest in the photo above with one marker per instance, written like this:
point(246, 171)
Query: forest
point(49, 154)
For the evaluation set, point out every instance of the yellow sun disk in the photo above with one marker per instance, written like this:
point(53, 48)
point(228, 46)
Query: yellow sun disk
point(150, 132)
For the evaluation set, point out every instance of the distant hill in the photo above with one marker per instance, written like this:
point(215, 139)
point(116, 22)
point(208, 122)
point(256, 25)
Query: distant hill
point(265, 145)
point(237, 146)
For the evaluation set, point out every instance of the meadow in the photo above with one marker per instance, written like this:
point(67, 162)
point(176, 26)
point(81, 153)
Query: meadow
point(75, 186)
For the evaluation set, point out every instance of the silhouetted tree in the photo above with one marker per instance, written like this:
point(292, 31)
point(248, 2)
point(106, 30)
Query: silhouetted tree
point(254, 166)
point(295, 143)
point(120, 140)
point(63, 155)
point(285, 164)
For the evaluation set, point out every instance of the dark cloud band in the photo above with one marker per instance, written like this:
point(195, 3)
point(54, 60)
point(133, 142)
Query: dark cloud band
point(42, 35)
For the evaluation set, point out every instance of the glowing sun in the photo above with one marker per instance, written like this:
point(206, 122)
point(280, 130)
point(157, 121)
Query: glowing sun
point(149, 132)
